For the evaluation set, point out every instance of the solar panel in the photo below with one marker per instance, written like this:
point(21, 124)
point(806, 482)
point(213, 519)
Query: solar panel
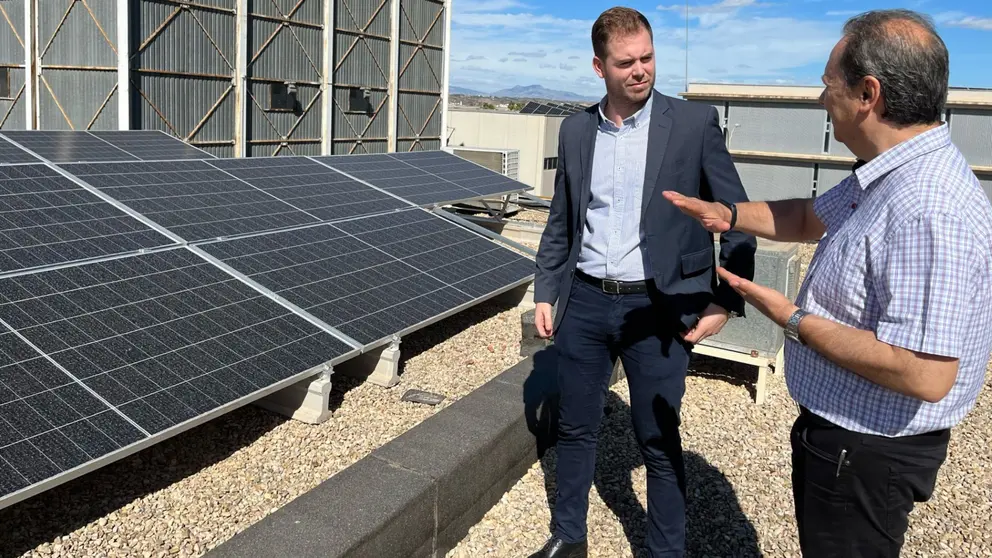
point(47, 219)
point(11, 154)
point(529, 107)
point(378, 276)
point(308, 185)
point(398, 178)
point(457, 257)
point(78, 146)
point(471, 176)
point(136, 348)
point(66, 146)
point(191, 198)
point(151, 145)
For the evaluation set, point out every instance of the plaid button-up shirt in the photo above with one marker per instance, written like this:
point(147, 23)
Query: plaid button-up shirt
point(907, 254)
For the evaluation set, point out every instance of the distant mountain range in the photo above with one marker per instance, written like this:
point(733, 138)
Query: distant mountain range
point(526, 92)
point(455, 90)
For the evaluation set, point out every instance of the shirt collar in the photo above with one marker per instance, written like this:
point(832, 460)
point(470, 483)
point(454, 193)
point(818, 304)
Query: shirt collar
point(639, 118)
point(902, 153)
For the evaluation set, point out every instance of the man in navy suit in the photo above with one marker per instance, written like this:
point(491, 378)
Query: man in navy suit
point(632, 275)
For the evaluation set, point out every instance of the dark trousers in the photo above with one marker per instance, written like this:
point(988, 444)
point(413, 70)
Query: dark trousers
point(597, 329)
point(853, 492)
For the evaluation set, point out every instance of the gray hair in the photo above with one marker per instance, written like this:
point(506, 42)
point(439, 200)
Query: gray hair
point(903, 51)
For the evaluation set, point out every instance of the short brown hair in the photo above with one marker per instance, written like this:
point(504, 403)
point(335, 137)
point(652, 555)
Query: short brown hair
point(616, 21)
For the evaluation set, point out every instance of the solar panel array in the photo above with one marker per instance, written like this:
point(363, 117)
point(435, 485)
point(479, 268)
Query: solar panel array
point(146, 287)
point(551, 109)
point(67, 146)
point(425, 177)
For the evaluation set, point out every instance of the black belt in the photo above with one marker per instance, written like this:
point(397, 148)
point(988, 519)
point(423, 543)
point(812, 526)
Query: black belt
point(611, 286)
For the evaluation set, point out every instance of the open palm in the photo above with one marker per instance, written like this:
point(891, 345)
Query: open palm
point(714, 217)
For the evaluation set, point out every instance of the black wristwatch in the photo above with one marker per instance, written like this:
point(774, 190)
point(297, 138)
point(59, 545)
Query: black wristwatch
point(733, 212)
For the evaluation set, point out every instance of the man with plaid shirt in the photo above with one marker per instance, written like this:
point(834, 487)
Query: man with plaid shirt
point(889, 337)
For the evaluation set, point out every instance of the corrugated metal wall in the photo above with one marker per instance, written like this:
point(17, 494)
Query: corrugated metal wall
point(76, 49)
point(775, 180)
point(285, 44)
point(183, 64)
point(829, 176)
point(421, 66)
point(204, 71)
point(361, 60)
point(986, 181)
point(12, 40)
point(780, 127)
point(971, 131)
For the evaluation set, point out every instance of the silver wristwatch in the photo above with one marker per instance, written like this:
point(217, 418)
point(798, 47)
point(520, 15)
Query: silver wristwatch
point(792, 326)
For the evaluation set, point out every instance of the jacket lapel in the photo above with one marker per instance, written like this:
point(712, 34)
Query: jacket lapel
point(658, 135)
point(587, 146)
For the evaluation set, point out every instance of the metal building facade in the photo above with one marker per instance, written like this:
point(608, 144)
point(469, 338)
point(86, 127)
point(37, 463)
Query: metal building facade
point(783, 144)
point(234, 77)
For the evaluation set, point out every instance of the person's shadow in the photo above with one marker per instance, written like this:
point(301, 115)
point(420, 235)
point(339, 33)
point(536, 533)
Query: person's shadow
point(715, 523)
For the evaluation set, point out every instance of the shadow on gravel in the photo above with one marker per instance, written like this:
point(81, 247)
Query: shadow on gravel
point(70, 506)
point(77, 503)
point(429, 337)
point(715, 523)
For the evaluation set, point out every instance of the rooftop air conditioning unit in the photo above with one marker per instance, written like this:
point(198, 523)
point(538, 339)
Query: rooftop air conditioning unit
point(503, 161)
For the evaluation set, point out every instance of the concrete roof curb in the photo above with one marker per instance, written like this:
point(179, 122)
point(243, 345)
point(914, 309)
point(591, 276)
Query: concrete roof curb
point(418, 495)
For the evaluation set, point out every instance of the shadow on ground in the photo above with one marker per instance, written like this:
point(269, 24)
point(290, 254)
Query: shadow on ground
point(429, 337)
point(63, 509)
point(715, 523)
point(70, 506)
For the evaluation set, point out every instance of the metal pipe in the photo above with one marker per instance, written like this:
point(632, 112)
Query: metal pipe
point(170, 73)
point(207, 7)
point(30, 110)
point(327, 80)
point(123, 65)
point(394, 73)
point(78, 67)
point(482, 230)
point(285, 19)
point(446, 73)
point(280, 141)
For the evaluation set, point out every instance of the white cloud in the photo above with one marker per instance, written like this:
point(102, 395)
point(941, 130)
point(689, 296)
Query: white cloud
point(712, 14)
point(732, 44)
point(842, 13)
point(958, 19)
point(488, 5)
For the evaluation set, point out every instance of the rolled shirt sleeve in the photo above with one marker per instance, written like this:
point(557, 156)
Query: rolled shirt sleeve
point(924, 276)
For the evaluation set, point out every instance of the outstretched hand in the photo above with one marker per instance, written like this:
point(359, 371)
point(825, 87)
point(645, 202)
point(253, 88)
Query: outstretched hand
point(715, 217)
point(768, 301)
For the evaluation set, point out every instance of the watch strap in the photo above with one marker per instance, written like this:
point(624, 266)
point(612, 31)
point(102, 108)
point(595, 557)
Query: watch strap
point(792, 326)
point(733, 212)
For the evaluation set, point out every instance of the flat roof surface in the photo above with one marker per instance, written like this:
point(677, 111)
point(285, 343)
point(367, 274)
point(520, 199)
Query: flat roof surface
point(805, 93)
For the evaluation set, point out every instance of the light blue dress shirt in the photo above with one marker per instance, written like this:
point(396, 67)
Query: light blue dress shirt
point(612, 242)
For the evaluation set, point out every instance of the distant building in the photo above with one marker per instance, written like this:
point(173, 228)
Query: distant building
point(535, 136)
point(779, 136)
point(783, 145)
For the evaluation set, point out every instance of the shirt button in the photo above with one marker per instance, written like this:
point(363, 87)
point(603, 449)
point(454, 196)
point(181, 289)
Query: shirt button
point(854, 206)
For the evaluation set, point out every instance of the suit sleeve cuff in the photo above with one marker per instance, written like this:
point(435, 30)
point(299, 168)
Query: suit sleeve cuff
point(726, 297)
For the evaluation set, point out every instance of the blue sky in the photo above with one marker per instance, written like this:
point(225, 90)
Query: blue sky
point(501, 43)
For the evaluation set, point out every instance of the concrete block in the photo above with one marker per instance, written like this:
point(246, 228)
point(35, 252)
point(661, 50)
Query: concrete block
point(419, 494)
point(379, 366)
point(306, 401)
point(371, 508)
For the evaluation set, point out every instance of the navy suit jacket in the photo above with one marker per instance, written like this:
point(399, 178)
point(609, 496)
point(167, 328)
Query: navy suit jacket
point(686, 153)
